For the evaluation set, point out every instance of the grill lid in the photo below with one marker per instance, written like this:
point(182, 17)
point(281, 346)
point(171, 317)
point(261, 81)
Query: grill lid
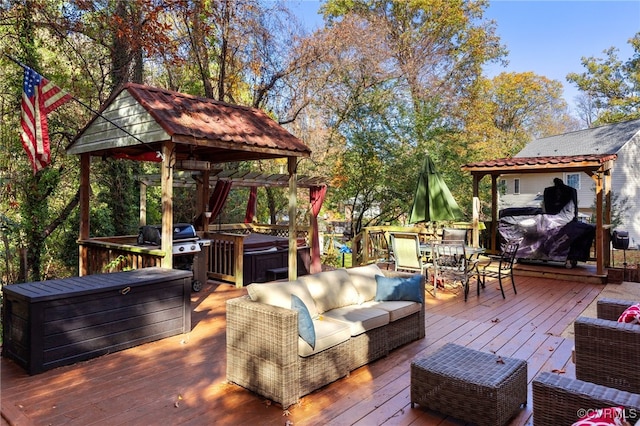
point(151, 234)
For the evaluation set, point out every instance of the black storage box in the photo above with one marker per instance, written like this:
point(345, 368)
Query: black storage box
point(52, 323)
point(620, 240)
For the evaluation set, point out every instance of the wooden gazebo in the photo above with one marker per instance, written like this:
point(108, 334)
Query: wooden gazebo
point(181, 132)
point(598, 167)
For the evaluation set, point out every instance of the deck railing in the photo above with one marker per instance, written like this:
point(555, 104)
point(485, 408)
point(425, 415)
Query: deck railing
point(372, 244)
point(226, 257)
point(114, 254)
point(226, 253)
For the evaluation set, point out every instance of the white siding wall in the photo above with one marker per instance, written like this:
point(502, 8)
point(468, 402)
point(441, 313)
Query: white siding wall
point(625, 181)
point(532, 184)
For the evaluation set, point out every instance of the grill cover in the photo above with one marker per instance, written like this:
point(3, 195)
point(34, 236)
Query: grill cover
point(151, 234)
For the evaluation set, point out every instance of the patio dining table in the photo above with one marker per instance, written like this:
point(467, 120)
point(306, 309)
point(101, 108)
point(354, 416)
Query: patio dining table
point(472, 255)
point(472, 252)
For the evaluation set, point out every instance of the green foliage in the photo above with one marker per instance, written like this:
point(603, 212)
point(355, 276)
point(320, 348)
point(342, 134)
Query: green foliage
point(117, 265)
point(613, 86)
point(384, 83)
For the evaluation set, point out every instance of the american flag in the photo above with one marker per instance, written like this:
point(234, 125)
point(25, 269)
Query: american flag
point(39, 98)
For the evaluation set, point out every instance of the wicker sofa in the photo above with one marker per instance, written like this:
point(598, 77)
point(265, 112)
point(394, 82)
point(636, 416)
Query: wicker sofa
point(265, 353)
point(608, 352)
point(559, 400)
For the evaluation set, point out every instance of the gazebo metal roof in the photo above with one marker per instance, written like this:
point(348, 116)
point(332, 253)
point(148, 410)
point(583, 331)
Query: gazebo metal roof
point(137, 119)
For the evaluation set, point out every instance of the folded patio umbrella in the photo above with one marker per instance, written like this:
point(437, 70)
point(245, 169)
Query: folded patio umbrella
point(433, 200)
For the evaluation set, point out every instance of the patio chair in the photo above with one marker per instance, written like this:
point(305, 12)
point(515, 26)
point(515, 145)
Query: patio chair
point(454, 235)
point(499, 266)
point(559, 400)
point(406, 252)
point(607, 352)
point(450, 260)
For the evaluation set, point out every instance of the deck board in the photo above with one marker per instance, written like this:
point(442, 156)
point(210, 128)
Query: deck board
point(181, 379)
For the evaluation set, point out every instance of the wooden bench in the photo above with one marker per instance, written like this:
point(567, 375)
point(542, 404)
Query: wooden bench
point(52, 323)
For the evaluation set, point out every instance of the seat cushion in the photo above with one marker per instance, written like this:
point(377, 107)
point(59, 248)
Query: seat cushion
point(330, 289)
point(328, 333)
point(396, 309)
point(279, 294)
point(363, 279)
point(359, 318)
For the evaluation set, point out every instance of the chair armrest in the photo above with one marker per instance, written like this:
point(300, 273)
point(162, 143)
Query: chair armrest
point(423, 280)
point(559, 400)
point(484, 260)
point(611, 309)
point(264, 331)
point(606, 352)
point(262, 349)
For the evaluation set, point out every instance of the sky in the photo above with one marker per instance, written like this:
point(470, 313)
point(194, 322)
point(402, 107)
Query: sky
point(547, 37)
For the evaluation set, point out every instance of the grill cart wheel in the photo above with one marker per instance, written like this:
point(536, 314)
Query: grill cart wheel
point(196, 285)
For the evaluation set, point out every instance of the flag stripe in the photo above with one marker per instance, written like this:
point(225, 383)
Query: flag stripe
point(39, 98)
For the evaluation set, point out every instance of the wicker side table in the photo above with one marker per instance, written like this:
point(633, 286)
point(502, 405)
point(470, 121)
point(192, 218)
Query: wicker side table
point(470, 385)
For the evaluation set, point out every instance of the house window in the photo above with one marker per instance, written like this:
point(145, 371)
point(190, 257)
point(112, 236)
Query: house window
point(502, 186)
point(573, 180)
point(516, 186)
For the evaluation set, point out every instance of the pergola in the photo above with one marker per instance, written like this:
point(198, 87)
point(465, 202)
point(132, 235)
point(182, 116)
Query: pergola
point(598, 167)
point(182, 132)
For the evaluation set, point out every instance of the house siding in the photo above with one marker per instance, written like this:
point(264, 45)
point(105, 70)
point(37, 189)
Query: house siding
point(625, 181)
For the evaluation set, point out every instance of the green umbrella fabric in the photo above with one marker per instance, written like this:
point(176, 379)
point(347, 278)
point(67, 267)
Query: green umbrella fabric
point(433, 200)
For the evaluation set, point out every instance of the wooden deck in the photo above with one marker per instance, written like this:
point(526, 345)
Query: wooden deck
point(181, 380)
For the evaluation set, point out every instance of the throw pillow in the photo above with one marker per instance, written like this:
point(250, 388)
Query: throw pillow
point(399, 288)
point(306, 330)
point(631, 314)
point(602, 416)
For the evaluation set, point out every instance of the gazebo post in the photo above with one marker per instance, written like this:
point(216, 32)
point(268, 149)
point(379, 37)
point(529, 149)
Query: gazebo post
point(293, 241)
point(476, 213)
point(85, 166)
point(204, 200)
point(494, 213)
point(607, 217)
point(166, 177)
point(143, 203)
point(597, 177)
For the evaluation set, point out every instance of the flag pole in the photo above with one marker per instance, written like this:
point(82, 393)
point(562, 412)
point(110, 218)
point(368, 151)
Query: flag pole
point(160, 155)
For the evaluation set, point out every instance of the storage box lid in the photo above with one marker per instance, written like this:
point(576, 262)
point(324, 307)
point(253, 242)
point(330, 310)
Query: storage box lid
point(76, 286)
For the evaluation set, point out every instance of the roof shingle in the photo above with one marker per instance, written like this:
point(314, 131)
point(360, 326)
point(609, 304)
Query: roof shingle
point(608, 139)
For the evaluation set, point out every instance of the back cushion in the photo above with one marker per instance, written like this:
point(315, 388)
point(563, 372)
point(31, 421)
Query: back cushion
point(279, 294)
point(330, 289)
point(363, 279)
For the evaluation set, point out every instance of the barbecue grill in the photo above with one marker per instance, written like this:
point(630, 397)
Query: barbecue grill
point(186, 245)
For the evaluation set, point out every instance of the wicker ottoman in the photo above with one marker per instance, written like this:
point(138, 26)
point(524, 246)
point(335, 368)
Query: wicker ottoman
point(470, 385)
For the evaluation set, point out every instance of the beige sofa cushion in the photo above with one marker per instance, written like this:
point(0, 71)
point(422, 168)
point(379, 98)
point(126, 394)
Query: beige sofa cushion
point(328, 333)
point(396, 309)
point(279, 294)
point(363, 279)
point(359, 318)
point(330, 289)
